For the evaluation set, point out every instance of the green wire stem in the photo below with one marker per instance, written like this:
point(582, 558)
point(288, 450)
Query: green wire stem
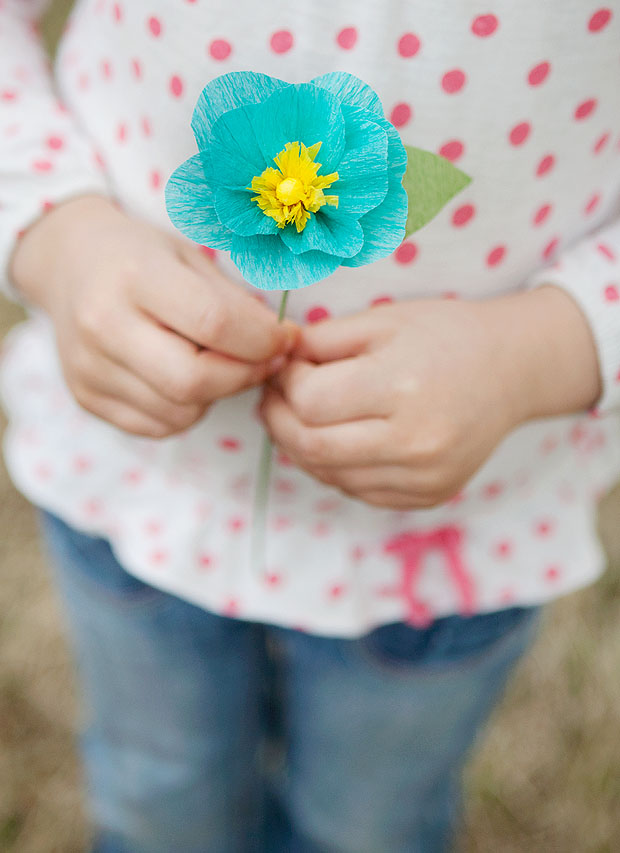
point(261, 496)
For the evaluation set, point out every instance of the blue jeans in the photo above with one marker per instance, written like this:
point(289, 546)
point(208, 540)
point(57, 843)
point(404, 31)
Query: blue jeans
point(208, 734)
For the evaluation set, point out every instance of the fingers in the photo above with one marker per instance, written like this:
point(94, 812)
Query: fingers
point(123, 416)
point(112, 381)
point(175, 368)
point(338, 391)
point(340, 337)
point(353, 443)
point(214, 312)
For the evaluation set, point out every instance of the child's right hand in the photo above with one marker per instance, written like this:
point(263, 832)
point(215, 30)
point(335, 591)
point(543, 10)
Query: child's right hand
point(149, 332)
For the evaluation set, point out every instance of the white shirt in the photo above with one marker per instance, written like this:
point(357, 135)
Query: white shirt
point(525, 98)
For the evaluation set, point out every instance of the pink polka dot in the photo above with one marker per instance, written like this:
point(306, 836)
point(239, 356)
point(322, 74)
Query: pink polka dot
point(462, 215)
point(133, 476)
point(347, 38)
point(42, 166)
point(452, 150)
point(539, 74)
point(273, 578)
point(121, 132)
point(281, 41)
point(546, 164)
point(585, 108)
point(544, 527)
point(145, 124)
point(599, 20)
point(316, 314)
point(205, 562)
point(55, 142)
point(155, 179)
point(206, 250)
point(231, 607)
point(176, 86)
point(220, 49)
point(8, 95)
point(606, 251)
point(484, 25)
point(154, 25)
point(136, 67)
point(229, 442)
point(82, 464)
point(400, 115)
point(552, 573)
point(550, 248)
point(106, 69)
point(337, 590)
point(236, 523)
point(493, 490)
point(541, 214)
point(611, 293)
point(408, 45)
point(592, 204)
point(519, 133)
point(453, 81)
point(504, 548)
point(496, 256)
point(117, 12)
point(406, 252)
point(601, 142)
point(381, 300)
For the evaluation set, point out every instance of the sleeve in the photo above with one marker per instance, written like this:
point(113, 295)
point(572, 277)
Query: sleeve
point(590, 272)
point(44, 156)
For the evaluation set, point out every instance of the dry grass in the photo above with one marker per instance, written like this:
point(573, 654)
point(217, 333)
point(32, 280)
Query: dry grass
point(545, 777)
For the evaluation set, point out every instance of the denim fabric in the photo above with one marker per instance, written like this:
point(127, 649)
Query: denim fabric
point(207, 734)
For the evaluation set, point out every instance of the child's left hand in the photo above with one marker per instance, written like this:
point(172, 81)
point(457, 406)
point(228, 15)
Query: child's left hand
point(400, 404)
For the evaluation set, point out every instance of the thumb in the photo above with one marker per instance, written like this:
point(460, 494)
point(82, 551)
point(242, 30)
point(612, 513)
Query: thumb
point(332, 339)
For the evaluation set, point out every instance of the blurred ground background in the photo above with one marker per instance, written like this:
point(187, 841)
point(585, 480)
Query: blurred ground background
point(545, 777)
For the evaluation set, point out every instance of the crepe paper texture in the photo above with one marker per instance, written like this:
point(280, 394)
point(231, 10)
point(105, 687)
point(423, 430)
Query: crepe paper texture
point(296, 180)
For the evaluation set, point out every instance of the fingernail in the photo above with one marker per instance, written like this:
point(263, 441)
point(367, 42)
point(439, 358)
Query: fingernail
point(276, 364)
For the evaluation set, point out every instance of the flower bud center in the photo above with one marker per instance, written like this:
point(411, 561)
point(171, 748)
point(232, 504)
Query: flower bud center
point(290, 191)
point(293, 191)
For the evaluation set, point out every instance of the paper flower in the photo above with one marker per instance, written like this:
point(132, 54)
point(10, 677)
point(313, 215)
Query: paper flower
point(293, 180)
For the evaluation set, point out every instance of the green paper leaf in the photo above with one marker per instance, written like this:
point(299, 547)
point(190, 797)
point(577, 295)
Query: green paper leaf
point(430, 182)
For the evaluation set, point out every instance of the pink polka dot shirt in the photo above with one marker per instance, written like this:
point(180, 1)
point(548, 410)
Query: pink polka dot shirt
point(524, 97)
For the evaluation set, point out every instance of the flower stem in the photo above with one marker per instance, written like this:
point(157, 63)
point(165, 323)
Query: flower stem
point(259, 516)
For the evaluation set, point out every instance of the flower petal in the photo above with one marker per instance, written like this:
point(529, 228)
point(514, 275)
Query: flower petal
point(236, 210)
point(397, 153)
point(267, 263)
point(384, 227)
point(234, 154)
point(350, 90)
point(341, 236)
point(189, 202)
point(301, 113)
point(228, 92)
point(363, 170)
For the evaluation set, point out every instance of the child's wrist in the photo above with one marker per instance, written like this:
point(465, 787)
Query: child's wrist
point(40, 248)
point(546, 355)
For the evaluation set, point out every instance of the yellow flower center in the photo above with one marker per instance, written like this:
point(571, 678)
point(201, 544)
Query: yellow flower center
point(290, 193)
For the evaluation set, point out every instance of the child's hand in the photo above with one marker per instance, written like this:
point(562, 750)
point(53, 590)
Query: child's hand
point(149, 332)
point(399, 405)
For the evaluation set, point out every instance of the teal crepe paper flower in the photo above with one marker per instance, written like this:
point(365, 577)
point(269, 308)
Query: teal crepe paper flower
point(242, 122)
